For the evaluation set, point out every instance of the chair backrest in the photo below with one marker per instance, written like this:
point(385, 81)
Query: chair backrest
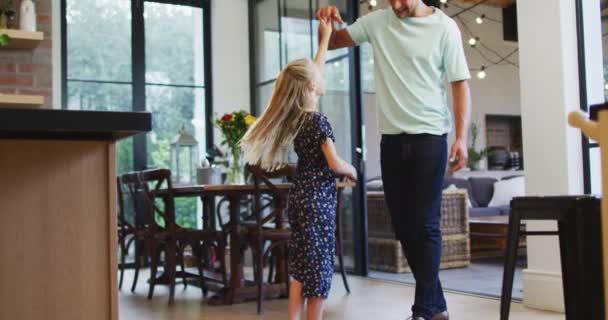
point(130, 195)
point(152, 181)
point(262, 182)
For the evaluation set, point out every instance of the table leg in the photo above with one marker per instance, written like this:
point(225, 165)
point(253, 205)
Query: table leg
point(236, 264)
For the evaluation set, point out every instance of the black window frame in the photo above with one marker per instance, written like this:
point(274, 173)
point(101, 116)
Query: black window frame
point(584, 102)
point(140, 156)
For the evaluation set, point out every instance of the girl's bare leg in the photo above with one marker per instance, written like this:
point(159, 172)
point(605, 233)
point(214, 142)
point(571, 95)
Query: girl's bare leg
point(314, 308)
point(296, 301)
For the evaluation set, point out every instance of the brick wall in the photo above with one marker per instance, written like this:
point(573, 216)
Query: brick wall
point(30, 71)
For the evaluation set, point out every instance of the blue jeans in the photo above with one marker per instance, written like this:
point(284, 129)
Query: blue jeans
point(413, 168)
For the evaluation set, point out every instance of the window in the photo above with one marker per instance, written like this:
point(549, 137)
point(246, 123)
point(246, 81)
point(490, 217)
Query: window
point(136, 55)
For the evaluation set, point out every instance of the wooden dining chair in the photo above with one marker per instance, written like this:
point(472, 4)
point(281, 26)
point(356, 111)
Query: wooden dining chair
point(129, 194)
point(262, 232)
point(175, 237)
point(339, 249)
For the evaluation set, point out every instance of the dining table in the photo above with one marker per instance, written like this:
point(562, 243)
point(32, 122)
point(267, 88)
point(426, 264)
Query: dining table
point(238, 290)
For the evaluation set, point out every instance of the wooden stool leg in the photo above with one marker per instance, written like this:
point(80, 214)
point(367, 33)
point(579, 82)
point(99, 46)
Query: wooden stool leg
point(509, 267)
point(568, 248)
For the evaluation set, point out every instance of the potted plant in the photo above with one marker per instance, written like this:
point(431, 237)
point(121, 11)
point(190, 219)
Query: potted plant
point(234, 126)
point(475, 156)
point(4, 40)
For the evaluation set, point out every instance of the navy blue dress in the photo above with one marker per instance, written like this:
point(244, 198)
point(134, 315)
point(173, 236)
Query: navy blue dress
point(312, 209)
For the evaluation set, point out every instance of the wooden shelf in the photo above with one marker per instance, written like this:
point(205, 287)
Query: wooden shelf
point(21, 39)
point(20, 100)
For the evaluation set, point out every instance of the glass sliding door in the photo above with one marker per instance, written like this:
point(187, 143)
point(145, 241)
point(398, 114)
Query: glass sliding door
point(285, 30)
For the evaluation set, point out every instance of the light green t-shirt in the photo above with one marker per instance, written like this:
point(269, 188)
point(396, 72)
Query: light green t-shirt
point(412, 59)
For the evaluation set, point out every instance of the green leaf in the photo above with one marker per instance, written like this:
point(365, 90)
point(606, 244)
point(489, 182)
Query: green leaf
point(4, 40)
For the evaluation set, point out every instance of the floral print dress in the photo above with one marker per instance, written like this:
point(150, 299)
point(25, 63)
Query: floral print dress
point(312, 210)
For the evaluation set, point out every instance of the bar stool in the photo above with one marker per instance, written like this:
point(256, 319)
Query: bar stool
point(579, 231)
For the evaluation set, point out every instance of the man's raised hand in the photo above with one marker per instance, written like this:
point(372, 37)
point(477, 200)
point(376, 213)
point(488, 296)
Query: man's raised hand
point(329, 12)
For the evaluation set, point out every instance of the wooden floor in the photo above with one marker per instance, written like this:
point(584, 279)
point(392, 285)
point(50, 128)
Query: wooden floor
point(370, 299)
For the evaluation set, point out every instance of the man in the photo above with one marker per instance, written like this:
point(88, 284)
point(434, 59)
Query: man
point(416, 49)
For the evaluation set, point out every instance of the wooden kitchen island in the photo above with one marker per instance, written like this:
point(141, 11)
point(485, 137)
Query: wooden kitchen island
point(58, 247)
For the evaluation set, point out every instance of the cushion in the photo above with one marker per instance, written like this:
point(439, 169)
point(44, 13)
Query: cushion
point(505, 210)
point(482, 190)
point(461, 184)
point(374, 185)
point(505, 190)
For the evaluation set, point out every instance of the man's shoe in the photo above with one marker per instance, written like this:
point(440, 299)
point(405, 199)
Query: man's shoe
point(442, 316)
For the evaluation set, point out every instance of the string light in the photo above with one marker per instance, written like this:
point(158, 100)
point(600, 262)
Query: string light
point(482, 73)
point(473, 41)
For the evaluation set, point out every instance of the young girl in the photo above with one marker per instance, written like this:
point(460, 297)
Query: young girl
point(292, 117)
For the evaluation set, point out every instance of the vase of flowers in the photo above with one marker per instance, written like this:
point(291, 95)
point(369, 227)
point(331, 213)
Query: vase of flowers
point(234, 126)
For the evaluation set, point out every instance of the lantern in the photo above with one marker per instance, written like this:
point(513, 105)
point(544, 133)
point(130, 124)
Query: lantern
point(184, 158)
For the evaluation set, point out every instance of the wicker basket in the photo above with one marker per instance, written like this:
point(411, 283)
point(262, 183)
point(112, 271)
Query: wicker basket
point(385, 252)
point(386, 255)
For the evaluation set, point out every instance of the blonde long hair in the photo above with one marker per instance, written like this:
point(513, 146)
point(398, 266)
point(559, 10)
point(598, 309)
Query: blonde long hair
point(268, 140)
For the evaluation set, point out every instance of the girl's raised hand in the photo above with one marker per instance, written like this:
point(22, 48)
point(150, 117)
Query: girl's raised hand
point(325, 28)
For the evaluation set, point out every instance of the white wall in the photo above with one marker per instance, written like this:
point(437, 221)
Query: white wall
point(230, 50)
point(549, 90)
point(499, 92)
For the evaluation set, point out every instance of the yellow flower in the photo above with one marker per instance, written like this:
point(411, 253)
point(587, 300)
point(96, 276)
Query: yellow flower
point(249, 120)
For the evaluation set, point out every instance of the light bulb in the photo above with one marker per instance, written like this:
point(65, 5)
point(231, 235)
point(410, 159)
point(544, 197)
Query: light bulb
point(371, 61)
point(480, 19)
point(336, 64)
point(482, 73)
point(606, 86)
point(443, 1)
point(373, 3)
point(473, 41)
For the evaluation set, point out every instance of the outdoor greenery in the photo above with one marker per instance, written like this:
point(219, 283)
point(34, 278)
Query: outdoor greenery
point(475, 155)
point(4, 40)
point(99, 73)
